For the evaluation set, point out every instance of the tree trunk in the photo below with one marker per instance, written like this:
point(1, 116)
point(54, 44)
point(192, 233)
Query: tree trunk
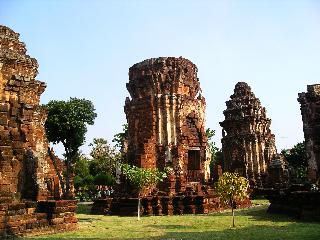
point(139, 206)
point(232, 209)
point(57, 172)
point(233, 225)
point(69, 158)
point(67, 179)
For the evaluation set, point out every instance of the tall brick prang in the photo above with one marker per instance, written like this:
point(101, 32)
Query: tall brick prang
point(166, 120)
point(248, 145)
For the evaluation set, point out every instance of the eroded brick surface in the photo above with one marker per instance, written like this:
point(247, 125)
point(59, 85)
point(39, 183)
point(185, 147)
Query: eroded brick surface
point(278, 173)
point(27, 174)
point(25, 170)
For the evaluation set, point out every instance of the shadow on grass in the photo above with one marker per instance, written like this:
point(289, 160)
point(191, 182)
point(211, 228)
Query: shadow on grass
point(87, 219)
point(261, 226)
point(84, 208)
point(285, 228)
point(293, 231)
point(258, 213)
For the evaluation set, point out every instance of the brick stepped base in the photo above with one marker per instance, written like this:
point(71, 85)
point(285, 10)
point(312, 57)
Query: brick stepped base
point(101, 206)
point(299, 204)
point(163, 205)
point(33, 218)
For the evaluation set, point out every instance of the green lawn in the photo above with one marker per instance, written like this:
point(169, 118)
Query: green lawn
point(253, 223)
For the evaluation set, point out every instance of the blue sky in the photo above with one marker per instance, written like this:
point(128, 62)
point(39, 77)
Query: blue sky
point(85, 48)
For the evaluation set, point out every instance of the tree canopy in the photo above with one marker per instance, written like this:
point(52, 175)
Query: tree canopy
point(142, 177)
point(99, 170)
point(231, 187)
point(105, 158)
point(120, 138)
point(212, 146)
point(67, 124)
point(297, 158)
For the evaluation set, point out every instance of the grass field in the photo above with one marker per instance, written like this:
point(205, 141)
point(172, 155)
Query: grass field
point(252, 223)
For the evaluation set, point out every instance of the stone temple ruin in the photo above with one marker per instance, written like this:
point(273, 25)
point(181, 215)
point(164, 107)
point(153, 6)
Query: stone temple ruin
point(28, 179)
point(166, 124)
point(166, 117)
point(166, 127)
point(248, 145)
point(310, 111)
point(301, 200)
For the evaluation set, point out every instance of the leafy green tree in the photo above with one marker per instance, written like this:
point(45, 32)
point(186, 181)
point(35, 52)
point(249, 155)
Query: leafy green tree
point(104, 179)
point(84, 187)
point(83, 182)
point(78, 182)
point(231, 187)
point(81, 167)
point(141, 178)
point(121, 137)
point(297, 158)
point(212, 146)
point(105, 158)
point(216, 153)
point(67, 124)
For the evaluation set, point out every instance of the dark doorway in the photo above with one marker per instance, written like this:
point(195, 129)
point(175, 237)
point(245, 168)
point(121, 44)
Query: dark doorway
point(194, 160)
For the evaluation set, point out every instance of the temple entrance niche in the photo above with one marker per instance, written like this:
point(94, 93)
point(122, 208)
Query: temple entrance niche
point(194, 160)
point(194, 165)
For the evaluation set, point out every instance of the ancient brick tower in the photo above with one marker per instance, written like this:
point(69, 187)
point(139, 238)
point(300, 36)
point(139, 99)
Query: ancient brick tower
point(24, 167)
point(28, 180)
point(248, 145)
point(166, 117)
point(310, 111)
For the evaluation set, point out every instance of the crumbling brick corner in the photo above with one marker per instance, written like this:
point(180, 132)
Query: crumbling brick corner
point(27, 174)
point(310, 111)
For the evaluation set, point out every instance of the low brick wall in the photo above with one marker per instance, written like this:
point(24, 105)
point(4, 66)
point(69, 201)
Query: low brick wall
point(101, 206)
point(33, 218)
point(161, 205)
point(299, 204)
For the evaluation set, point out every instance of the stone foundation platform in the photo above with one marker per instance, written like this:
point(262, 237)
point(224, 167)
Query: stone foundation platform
point(163, 205)
point(35, 218)
point(299, 204)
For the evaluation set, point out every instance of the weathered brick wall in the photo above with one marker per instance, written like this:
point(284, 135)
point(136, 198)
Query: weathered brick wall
point(302, 205)
point(310, 111)
point(163, 205)
point(25, 170)
point(248, 145)
point(27, 174)
point(34, 218)
point(166, 120)
point(278, 173)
